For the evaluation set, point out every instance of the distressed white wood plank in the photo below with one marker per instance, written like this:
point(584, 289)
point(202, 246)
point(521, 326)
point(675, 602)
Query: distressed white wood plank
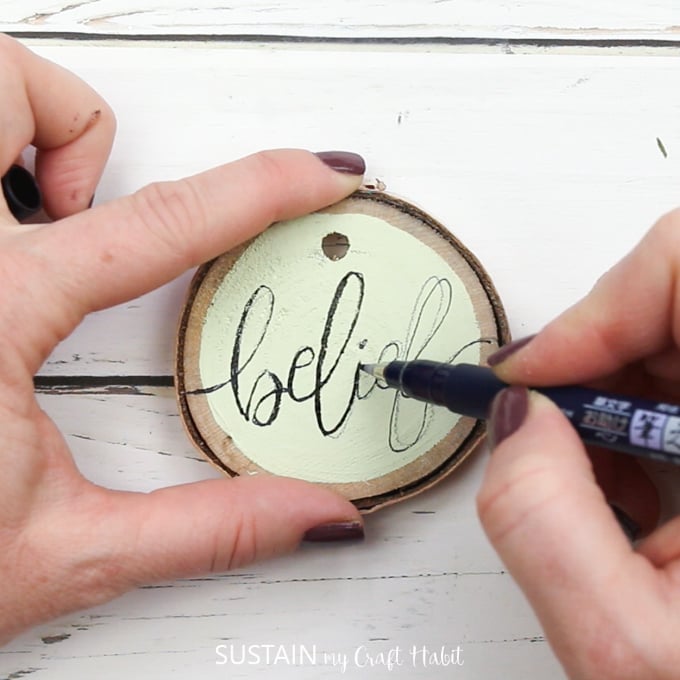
point(151, 449)
point(627, 19)
point(424, 576)
point(546, 167)
point(169, 633)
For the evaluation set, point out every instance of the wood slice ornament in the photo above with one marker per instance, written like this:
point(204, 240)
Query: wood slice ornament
point(273, 333)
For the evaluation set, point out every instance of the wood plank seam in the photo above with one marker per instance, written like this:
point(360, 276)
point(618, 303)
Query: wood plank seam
point(397, 41)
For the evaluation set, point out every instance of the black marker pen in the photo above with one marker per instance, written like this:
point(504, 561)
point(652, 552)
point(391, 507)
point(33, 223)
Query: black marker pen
point(21, 192)
point(637, 426)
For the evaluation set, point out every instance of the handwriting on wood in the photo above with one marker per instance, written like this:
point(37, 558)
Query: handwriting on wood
point(273, 335)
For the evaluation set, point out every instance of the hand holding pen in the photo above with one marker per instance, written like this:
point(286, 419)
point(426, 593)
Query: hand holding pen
point(609, 610)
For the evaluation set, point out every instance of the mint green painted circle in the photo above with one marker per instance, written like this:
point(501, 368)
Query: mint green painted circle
point(399, 299)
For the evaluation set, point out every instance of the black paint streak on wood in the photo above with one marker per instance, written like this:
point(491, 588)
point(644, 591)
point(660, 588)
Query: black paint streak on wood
point(52, 639)
point(604, 43)
point(662, 148)
point(22, 674)
point(102, 384)
point(247, 579)
point(528, 638)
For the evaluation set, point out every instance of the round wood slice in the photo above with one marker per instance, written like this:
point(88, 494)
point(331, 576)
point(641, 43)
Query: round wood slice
point(273, 333)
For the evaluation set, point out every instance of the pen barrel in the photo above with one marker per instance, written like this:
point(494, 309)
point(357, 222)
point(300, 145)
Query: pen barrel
point(463, 388)
point(641, 427)
point(637, 426)
point(466, 389)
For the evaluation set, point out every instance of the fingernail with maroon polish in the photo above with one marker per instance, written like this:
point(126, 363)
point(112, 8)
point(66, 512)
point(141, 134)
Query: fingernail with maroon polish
point(344, 161)
point(508, 412)
point(335, 531)
point(628, 525)
point(504, 352)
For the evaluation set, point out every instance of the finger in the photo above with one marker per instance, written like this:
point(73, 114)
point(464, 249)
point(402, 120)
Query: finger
point(549, 521)
point(664, 366)
point(218, 525)
point(95, 544)
point(628, 489)
point(230, 524)
point(67, 121)
point(68, 175)
point(662, 548)
point(149, 238)
point(631, 313)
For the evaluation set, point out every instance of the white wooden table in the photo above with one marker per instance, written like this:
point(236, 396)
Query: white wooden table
point(544, 134)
